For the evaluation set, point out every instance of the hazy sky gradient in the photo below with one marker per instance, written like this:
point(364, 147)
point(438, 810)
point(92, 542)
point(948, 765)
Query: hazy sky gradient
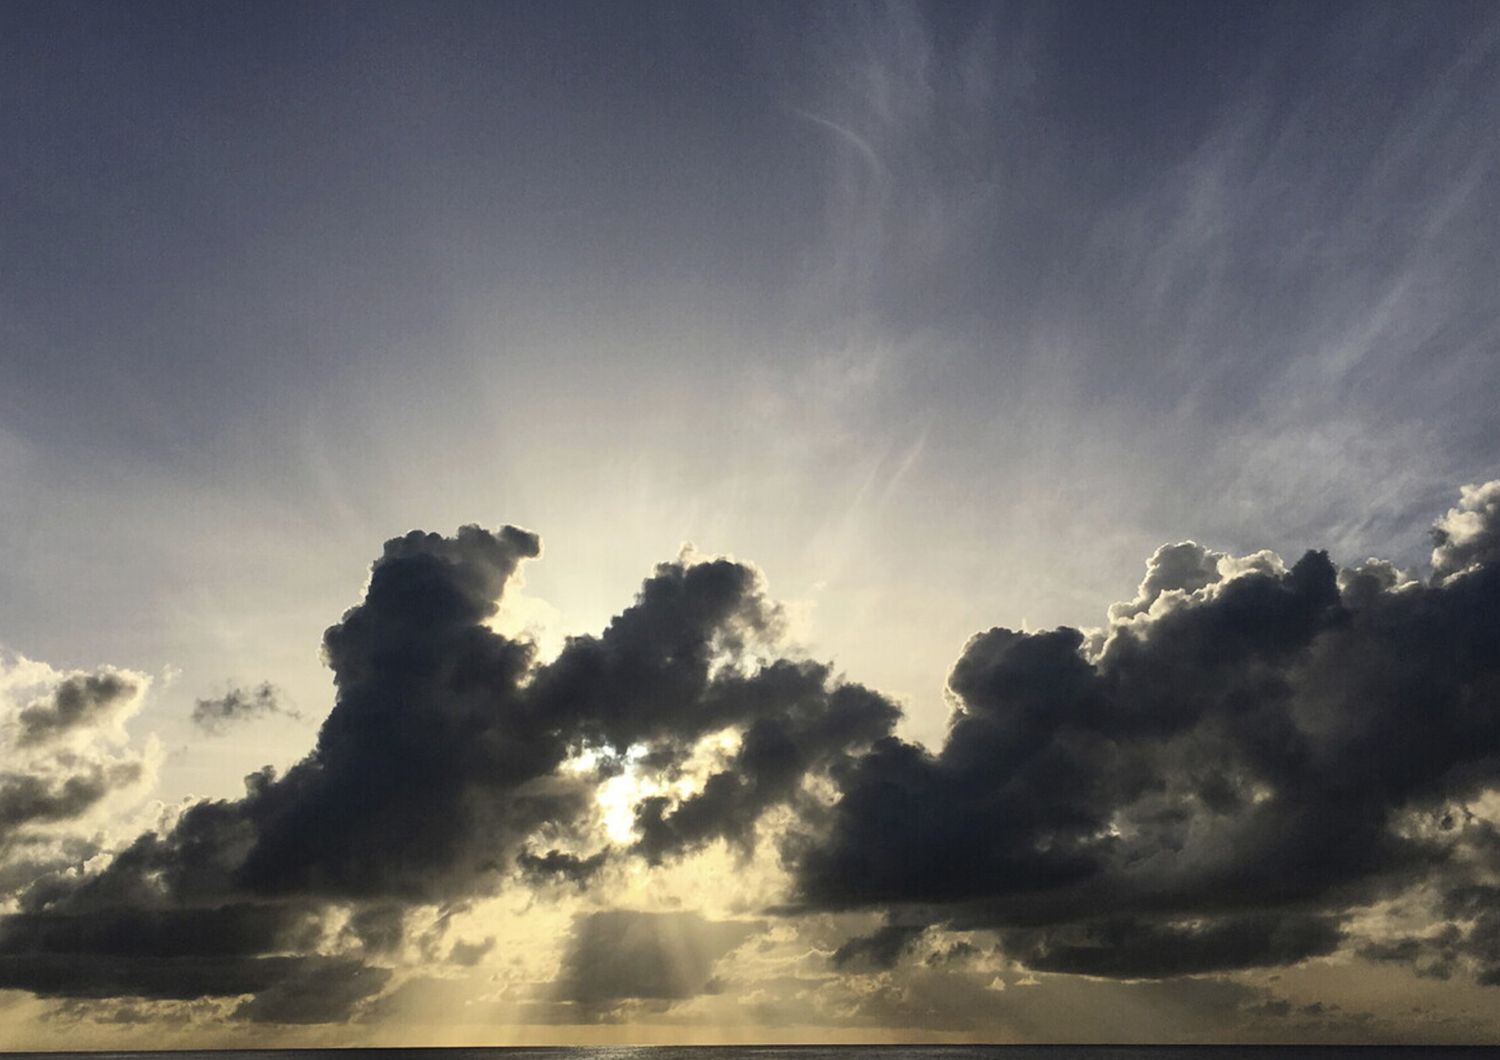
point(944, 316)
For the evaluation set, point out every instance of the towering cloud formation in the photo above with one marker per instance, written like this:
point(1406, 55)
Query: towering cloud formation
point(439, 768)
point(1246, 753)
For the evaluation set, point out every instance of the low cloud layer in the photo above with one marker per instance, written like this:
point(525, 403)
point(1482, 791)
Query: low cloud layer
point(1243, 761)
point(621, 955)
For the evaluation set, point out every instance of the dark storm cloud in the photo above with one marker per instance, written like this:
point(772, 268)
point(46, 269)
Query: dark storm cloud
point(619, 955)
point(81, 701)
point(428, 767)
point(390, 805)
point(1247, 753)
point(239, 704)
point(437, 774)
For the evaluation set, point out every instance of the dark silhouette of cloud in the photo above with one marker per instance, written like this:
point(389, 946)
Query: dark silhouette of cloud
point(442, 758)
point(1246, 752)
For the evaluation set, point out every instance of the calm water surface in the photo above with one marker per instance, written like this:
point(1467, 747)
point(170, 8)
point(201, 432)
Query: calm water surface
point(845, 1052)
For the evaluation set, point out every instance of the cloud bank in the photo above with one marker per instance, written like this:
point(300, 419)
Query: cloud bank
point(1229, 774)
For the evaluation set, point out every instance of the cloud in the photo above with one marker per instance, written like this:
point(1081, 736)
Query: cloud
point(1469, 535)
point(1247, 752)
point(176, 978)
point(213, 715)
point(79, 701)
point(619, 954)
point(225, 931)
point(558, 865)
point(814, 732)
point(879, 950)
point(62, 746)
point(1132, 949)
point(314, 992)
point(380, 929)
point(442, 766)
point(1245, 755)
point(468, 954)
point(1470, 933)
point(26, 799)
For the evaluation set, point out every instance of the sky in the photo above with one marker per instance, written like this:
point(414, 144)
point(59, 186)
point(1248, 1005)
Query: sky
point(722, 522)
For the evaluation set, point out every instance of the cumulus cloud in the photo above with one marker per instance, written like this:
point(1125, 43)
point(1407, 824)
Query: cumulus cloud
point(442, 767)
point(1247, 753)
point(1468, 536)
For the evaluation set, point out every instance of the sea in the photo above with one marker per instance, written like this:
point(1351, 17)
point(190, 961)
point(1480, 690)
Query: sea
point(824, 1052)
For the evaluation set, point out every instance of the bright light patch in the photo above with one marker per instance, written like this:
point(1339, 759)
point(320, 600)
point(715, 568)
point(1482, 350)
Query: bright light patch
point(619, 796)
